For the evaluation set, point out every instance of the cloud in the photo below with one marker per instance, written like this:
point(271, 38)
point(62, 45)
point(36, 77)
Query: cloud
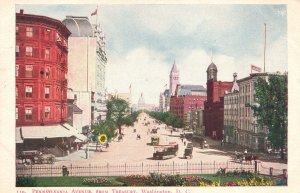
point(146, 70)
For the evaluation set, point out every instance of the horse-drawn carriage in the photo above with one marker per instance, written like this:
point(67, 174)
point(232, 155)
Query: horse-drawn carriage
point(154, 140)
point(162, 151)
point(35, 157)
point(240, 157)
point(188, 151)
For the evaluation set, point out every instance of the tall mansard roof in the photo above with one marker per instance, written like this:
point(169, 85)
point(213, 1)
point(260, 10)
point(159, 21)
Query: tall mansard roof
point(212, 66)
point(79, 26)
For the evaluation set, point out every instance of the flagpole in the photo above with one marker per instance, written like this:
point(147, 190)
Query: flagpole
point(265, 48)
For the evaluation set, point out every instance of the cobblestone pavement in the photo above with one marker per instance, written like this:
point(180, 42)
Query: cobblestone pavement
point(132, 150)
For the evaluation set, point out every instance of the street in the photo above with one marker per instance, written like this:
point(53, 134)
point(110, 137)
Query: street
point(133, 151)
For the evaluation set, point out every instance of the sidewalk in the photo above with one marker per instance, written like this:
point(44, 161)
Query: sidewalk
point(80, 154)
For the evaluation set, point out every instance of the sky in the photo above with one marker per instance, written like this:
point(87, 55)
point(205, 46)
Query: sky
point(143, 41)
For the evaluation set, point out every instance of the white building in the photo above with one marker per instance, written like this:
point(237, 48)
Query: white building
point(86, 75)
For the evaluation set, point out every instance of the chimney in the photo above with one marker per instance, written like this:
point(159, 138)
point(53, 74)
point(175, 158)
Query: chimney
point(21, 11)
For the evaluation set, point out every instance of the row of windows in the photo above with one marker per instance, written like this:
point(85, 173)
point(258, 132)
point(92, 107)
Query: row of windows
point(235, 100)
point(29, 68)
point(242, 112)
point(31, 51)
point(28, 92)
point(29, 115)
point(33, 32)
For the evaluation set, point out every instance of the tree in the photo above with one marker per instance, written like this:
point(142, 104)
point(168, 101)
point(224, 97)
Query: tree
point(271, 111)
point(167, 118)
point(106, 127)
point(116, 111)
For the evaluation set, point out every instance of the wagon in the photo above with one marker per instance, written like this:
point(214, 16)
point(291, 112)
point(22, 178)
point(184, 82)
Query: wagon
point(188, 153)
point(154, 140)
point(163, 151)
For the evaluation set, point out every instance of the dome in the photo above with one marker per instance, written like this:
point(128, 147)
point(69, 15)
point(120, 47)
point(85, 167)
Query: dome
point(212, 66)
point(79, 26)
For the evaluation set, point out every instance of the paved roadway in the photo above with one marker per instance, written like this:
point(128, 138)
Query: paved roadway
point(133, 151)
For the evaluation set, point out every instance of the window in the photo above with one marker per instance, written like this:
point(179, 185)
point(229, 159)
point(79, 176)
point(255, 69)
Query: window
point(17, 113)
point(28, 113)
point(47, 54)
point(17, 70)
point(28, 71)
point(28, 51)
point(28, 91)
point(17, 50)
point(47, 112)
point(17, 91)
point(47, 92)
point(17, 30)
point(47, 34)
point(47, 72)
point(29, 31)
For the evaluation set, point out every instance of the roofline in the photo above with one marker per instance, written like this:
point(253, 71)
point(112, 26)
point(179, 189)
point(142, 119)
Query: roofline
point(35, 19)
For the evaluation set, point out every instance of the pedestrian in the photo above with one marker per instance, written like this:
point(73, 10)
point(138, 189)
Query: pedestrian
point(245, 152)
point(184, 143)
point(171, 131)
point(222, 142)
point(182, 139)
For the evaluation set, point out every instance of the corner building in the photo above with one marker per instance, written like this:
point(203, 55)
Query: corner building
point(41, 70)
point(214, 106)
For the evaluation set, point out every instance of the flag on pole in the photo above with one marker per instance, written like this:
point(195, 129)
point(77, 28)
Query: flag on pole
point(94, 13)
point(255, 68)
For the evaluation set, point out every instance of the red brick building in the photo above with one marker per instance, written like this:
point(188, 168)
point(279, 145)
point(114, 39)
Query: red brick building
point(41, 70)
point(188, 98)
point(214, 106)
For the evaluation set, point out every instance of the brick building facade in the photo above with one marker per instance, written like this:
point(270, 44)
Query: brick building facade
point(41, 70)
point(214, 105)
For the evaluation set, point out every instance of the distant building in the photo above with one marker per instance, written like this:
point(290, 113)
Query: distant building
point(141, 103)
point(193, 121)
point(214, 105)
point(161, 102)
point(187, 98)
point(174, 79)
point(124, 96)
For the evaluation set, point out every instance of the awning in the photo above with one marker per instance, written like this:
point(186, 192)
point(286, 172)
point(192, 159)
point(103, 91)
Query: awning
point(76, 133)
point(41, 132)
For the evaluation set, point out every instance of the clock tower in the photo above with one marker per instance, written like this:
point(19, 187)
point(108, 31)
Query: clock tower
point(174, 79)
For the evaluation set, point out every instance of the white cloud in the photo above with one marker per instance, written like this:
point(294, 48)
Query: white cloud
point(146, 70)
point(161, 20)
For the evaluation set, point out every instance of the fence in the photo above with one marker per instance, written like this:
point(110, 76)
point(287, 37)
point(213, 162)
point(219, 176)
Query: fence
point(271, 171)
point(136, 169)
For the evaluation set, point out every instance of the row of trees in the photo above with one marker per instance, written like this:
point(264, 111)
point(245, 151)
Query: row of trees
point(117, 115)
point(167, 118)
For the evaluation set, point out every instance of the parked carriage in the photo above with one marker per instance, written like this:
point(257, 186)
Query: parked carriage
point(162, 151)
point(35, 157)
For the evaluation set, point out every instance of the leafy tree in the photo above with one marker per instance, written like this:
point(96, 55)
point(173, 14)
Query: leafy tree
point(271, 111)
point(116, 111)
point(106, 127)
